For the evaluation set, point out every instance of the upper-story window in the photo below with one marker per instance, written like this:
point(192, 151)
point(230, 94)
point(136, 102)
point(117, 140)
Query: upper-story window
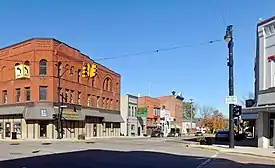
point(43, 67)
point(107, 84)
point(71, 71)
point(78, 75)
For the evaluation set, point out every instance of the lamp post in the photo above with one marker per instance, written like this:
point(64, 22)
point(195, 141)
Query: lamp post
point(229, 39)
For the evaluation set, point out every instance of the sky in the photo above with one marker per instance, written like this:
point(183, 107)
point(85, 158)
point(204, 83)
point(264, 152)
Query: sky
point(107, 28)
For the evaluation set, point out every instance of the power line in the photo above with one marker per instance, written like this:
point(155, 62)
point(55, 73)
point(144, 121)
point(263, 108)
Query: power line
point(133, 54)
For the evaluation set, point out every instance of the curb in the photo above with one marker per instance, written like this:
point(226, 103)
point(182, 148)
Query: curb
point(233, 152)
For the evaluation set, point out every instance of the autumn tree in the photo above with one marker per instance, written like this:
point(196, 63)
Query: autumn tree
point(216, 121)
point(205, 113)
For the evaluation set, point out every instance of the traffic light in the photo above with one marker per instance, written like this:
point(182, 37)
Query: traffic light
point(85, 71)
point(92, 70)
point(55, 116)
point(237, 111)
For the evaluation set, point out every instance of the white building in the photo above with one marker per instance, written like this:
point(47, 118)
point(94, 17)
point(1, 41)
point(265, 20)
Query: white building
point(263, 112)
point(165, 121)
point(133, 125)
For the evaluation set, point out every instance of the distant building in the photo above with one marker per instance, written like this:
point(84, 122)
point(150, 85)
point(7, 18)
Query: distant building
point(174, 104)
point(165, 121)
point(151, 108)
point(135, 124)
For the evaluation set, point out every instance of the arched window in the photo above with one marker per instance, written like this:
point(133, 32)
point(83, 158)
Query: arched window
point(107, 84)
point(78, 75)
point(43, 67)
point(17, 64)
point(72, 70)
point(26, 63)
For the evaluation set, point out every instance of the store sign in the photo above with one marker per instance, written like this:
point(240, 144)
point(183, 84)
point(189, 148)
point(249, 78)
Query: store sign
point(43, 112)
point(89, 70)
point(70, 114)
point(142, 112)
point(22, 71)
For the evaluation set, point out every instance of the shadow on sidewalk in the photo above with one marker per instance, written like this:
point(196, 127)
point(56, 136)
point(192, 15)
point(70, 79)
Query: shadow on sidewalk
point(111, 159)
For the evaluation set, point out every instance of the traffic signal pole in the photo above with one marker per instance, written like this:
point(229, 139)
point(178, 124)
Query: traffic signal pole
point(229, 38)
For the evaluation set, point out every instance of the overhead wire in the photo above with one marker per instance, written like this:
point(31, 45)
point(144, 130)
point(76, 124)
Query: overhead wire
point(129, 55)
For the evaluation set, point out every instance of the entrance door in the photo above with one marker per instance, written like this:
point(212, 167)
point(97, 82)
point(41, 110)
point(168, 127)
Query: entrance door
point(43, 129)
point(7, 130)
point(271, 132)
point(95, 130)
point(138, 131)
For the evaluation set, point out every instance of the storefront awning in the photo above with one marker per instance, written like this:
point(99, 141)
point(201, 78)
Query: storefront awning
point(109, 117)
point(92, 113)
point(39, 113)
point(13, 110)
point(269, 109)
point(249, 116)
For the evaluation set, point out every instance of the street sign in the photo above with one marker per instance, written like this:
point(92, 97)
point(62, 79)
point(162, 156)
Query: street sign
point(231, 100)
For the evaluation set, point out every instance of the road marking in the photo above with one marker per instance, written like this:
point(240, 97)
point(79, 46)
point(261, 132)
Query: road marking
point(207, 161)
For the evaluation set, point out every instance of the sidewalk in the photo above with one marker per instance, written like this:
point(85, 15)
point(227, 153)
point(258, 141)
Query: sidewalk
point(71, 139)
point(252, 151)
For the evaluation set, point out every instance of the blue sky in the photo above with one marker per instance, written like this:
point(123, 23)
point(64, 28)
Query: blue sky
point(101, 28)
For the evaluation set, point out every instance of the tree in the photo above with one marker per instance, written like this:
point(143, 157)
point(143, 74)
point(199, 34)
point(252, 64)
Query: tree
point(205, 113)
point(216, 121)
point(249, 96)
point(187, 111)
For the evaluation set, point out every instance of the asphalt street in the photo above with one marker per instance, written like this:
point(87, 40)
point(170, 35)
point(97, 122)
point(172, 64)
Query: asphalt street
point(120, 152)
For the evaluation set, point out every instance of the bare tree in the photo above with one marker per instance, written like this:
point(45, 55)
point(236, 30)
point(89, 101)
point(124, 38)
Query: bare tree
point(206, 111)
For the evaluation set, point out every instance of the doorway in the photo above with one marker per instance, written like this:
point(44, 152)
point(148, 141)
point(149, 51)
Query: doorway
point(138, 131)
point(7, 130)
point(95, 130)
point(43, 129)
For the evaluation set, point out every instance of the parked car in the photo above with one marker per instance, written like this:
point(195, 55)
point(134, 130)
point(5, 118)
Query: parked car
point(157, 134)
point(222, 135)
point(198, 133)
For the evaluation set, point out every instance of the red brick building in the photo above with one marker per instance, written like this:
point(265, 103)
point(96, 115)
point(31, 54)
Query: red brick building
point(91, 105)
point(173, 103)
point(153, 111)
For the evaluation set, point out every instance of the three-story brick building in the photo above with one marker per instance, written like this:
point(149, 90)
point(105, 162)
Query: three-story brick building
point(29, 86)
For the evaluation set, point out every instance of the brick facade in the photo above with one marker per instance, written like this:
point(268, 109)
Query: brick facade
point(31, 115)
point(35, 50)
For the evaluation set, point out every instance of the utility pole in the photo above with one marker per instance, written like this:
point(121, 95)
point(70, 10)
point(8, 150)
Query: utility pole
point(59, 118)
point(229, 39)
point(191, 113)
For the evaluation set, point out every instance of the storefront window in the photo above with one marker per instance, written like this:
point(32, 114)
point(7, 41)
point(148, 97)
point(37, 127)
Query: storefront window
point(17, 128)
point(1, 129)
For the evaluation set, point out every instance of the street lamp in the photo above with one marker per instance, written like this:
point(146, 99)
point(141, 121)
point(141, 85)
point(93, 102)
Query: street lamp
point(229, 39)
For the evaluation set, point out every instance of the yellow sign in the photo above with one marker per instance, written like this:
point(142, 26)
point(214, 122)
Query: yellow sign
point(89, 70)
point(69, 114)
point(22, 71)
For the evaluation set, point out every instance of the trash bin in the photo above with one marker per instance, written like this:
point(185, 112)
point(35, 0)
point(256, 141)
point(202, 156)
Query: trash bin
point(13, 135)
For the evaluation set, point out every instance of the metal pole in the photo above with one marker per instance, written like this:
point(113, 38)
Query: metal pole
point(231, 85)
point(191, 113)
point(58, 99)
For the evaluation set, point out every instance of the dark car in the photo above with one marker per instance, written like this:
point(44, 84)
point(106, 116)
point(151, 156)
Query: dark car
point(222, 135)
point(198, 133)
point(157, 134)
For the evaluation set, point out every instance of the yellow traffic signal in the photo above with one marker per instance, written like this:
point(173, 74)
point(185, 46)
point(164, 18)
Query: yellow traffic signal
point(89, 70)
point(84, 71)
point(93, 70)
